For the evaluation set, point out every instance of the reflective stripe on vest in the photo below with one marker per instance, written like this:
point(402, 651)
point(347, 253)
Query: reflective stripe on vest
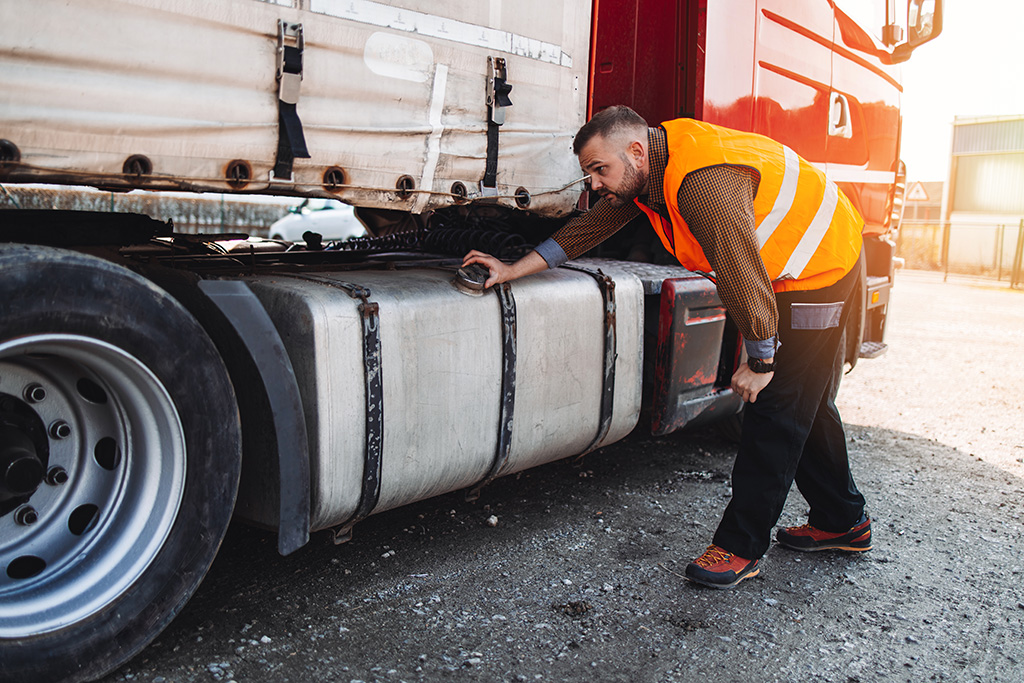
point(812, 237)
point(807, 232)
point(787, 193)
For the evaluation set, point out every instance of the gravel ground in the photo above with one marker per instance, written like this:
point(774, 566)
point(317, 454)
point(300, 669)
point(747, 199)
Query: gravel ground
point(577, 576)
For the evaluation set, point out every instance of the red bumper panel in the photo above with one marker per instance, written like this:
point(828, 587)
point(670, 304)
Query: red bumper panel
point(690, 327)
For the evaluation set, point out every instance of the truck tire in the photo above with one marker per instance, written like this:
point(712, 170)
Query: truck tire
point(120, 453)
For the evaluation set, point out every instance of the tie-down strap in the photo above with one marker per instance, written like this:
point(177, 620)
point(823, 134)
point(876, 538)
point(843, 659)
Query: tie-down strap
point(291, 143)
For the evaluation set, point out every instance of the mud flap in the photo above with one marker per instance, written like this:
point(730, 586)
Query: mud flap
point(691, 323)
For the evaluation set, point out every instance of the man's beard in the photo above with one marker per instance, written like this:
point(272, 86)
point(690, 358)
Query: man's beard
point(633, 183)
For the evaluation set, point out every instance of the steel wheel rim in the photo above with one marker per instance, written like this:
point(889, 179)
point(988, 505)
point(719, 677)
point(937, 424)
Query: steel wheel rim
point(125, 455)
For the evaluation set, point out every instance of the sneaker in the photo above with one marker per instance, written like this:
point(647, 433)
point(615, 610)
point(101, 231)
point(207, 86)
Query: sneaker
point(720, 569)
point(808, 539)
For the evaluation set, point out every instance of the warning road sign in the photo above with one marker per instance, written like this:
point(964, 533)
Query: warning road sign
point(916, 193)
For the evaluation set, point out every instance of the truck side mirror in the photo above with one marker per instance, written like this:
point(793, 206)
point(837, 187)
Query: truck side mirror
point(924, 23)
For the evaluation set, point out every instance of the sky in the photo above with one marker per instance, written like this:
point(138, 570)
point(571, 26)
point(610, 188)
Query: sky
point(974, 68)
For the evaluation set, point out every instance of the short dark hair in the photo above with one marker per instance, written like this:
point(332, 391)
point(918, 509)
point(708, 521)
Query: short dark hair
point(607, 123)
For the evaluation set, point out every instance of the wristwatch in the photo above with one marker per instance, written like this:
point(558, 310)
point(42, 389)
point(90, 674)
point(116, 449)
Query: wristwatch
point(761, 366)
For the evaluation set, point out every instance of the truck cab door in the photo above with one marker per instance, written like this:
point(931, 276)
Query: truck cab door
point(793, 74)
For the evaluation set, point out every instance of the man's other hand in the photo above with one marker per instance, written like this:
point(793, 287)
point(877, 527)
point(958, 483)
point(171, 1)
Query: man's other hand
point(748, 384)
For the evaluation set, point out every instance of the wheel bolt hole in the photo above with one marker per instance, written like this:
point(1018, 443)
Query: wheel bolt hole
point(90, 391)
point(83, 519)
point(60, 429)
point(34, 393)
point(26, 515)
point(56, 476)
point(25, 567)
point(107, 453)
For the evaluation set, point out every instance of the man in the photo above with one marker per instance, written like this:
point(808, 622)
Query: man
point(783, 246)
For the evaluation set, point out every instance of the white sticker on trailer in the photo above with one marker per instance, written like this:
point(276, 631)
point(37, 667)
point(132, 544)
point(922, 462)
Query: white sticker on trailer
point(407, 59)
point(431, 26)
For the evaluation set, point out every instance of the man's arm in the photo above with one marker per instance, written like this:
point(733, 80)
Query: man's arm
point(576, 237)
point(717, 204)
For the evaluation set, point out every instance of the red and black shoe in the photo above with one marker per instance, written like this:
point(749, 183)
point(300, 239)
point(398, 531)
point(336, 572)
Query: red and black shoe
point(720, 569)
point(809, 539)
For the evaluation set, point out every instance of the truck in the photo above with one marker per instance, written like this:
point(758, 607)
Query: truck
point(155, 385)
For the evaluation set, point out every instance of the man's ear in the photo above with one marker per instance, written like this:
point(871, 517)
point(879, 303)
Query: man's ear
point(637, 153)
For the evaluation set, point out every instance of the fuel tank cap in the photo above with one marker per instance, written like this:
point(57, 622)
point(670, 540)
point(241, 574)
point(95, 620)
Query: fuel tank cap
point(471, 279)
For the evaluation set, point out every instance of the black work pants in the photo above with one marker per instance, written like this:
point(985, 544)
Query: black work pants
point(793, 429)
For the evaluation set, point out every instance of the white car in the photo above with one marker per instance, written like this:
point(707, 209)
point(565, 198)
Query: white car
point(332, 219)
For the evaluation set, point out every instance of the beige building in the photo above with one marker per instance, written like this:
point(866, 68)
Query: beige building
point(983, 205)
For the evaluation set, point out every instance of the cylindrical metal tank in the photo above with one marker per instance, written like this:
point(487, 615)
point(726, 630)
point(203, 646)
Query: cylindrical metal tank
point(442, 358)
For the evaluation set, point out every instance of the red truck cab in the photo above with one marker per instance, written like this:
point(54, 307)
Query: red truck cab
point(821, 77)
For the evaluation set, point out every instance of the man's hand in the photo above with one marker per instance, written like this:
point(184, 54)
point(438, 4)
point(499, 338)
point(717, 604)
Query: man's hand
point(504, 272)
point(748, 384)
point(499, 271)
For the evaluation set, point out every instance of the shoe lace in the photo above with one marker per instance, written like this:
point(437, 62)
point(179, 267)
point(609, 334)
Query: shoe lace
point(712, 556)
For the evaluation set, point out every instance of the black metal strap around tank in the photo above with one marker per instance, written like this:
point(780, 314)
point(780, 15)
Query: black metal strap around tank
point(291, 143)
point(607, 286)
point(508, 388)
point(373, 460)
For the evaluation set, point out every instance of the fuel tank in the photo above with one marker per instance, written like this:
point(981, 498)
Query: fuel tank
point(468, 389)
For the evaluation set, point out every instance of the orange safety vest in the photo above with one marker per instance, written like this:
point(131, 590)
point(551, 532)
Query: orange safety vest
point(808, 232)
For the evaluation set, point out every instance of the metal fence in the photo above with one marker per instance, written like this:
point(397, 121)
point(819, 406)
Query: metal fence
point(210, 214)
point(984, 249)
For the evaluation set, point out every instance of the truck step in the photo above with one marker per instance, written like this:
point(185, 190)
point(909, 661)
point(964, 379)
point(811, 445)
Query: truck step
point(873, 349)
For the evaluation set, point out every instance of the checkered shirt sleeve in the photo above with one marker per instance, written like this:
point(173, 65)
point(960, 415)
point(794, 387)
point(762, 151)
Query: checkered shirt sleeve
point(588, 230)
point(717, 204)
